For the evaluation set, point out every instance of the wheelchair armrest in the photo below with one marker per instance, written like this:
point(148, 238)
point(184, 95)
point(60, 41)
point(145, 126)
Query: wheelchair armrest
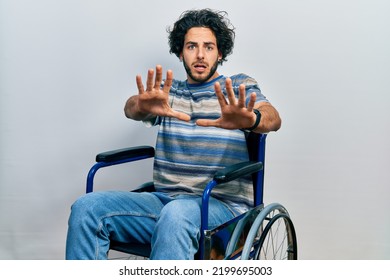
point(115, 157)
point(126, 153)
point(238, 170)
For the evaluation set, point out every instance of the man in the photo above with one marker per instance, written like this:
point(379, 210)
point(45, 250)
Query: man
point(200, 131)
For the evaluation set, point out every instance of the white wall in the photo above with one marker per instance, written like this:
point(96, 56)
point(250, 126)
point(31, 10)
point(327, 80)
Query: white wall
point(67, 68)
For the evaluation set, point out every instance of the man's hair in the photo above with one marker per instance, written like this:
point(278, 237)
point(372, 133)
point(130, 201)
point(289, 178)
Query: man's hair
point(215, 20)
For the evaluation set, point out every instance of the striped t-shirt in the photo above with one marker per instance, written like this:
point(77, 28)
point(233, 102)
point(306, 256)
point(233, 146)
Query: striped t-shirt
point(187, 156)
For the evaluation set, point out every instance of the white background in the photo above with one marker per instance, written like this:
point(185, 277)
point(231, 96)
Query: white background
point(67, 68)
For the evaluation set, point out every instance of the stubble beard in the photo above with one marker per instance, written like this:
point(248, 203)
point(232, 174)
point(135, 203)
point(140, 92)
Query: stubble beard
point(201, 80)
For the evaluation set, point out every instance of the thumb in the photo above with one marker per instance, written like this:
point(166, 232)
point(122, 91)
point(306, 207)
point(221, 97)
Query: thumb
point(206, 122)
point(181, 116)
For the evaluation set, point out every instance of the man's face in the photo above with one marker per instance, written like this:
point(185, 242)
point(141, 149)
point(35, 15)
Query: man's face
point(200, 55)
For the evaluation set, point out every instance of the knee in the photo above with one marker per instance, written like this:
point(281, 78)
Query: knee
point(86, 202)
point(86, 206)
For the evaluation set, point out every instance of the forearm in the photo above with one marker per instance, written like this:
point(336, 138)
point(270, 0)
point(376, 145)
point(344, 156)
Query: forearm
point(270, 119)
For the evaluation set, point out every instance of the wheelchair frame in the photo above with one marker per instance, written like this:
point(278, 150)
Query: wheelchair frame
point(257, 226)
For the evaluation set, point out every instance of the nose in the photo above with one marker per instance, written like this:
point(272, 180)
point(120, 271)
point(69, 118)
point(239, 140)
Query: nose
point(200, 53)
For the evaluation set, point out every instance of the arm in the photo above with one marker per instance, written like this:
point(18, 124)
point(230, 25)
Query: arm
point(270, 119)
point(236, 115)
point(153, 101)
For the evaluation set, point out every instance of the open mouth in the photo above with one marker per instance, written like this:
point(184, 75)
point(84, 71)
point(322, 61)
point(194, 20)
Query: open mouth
point(200, 67)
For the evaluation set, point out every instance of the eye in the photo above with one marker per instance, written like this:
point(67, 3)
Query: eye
point(210, 48)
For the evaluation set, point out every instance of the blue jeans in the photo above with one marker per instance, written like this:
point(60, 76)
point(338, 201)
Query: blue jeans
point(170, 225)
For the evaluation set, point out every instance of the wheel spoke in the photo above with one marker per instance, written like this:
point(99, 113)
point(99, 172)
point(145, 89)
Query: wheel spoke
point(276, 244)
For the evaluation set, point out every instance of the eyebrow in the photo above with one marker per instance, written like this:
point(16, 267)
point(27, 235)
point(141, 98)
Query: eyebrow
point(196, 43)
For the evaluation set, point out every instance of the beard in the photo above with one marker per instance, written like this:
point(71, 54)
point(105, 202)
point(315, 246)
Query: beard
point(200, 80)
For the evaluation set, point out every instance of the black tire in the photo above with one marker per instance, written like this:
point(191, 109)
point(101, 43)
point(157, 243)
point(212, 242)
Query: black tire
point(278, 240)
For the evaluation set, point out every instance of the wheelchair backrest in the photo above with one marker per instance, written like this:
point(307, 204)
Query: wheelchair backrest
point(256, 149)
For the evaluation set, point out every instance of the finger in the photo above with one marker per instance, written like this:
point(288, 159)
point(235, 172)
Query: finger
point(168, 81)
point(181, 116)
point(140, 85)
point(149, 81)
point(157, 83)
point(252, 101)
point(241, 96)
point(230, 92)
point(219, 94)
point(206, 122)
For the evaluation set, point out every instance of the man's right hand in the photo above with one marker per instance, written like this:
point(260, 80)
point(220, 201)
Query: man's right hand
point(154, 101)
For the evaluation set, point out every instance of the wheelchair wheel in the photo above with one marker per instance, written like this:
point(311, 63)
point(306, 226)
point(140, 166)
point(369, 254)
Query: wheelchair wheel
point(272, 236)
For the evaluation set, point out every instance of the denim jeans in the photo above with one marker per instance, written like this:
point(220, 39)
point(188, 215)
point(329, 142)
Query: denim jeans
point(170, 225)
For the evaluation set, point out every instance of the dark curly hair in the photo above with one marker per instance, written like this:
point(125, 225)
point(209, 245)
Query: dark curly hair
point(215, 20)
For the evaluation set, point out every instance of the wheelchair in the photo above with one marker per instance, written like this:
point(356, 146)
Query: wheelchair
point(264, 232)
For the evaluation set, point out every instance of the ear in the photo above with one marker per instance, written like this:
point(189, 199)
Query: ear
point(181, 56)
point(219, 55)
